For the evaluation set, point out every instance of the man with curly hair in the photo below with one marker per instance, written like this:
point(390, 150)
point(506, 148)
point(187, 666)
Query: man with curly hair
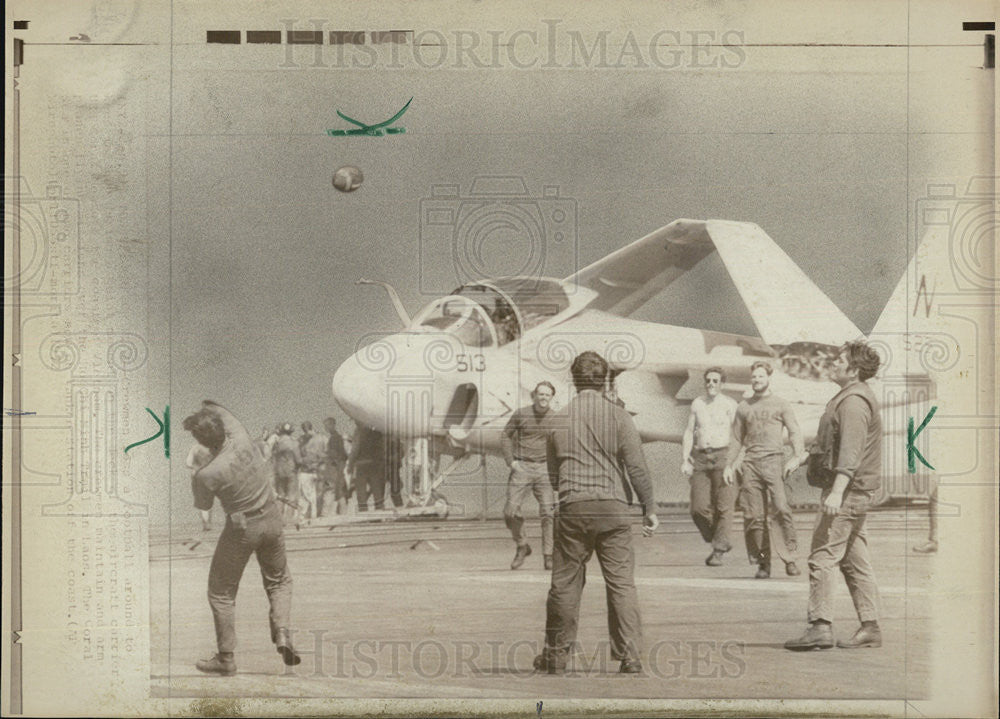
point(848, 453)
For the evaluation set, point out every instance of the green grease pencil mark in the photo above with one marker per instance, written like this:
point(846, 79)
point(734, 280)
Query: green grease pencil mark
point(377, 130)
point(164, 430)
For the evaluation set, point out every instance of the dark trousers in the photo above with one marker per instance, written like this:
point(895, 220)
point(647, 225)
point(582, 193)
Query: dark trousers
point(333, 493)
point(395, 486)
point(762, 479)
point(712, 499)
point(581, 529)
point(260, 535)
point(370, 481)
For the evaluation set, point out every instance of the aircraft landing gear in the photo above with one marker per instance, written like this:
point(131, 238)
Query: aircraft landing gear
point(424, 499)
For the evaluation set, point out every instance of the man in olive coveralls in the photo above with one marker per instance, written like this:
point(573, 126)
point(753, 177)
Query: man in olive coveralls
point(240, 477)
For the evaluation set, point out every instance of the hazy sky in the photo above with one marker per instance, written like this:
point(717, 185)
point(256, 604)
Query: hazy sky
point(826, 148)
point(266, 252)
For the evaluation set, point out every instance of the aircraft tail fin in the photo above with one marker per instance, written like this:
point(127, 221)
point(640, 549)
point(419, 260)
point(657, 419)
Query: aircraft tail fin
point(918, 350)
point(911, 333)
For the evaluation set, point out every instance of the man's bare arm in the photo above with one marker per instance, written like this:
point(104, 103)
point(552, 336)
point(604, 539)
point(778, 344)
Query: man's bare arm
point(687, 445)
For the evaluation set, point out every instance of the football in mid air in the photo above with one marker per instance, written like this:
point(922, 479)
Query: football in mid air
point(348, 179)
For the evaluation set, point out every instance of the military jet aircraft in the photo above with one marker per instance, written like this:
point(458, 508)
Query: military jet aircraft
point(451, 378)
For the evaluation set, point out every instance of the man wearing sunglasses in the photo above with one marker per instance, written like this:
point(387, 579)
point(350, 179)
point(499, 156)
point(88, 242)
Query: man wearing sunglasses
point(705, 446)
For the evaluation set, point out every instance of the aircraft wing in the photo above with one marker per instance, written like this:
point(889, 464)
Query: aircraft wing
point(785, 305)
point(628, 278)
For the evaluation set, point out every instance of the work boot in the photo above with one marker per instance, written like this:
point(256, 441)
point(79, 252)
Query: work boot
point(819, 635)
point(548, 561)
point(792, 569)
point(523, 550)
point(283, 645)
point(714, 559)
point(869, 635)
point(929, 547)
point(630, 666)
point(221, 664)
point(550, 662)
point(763, 571)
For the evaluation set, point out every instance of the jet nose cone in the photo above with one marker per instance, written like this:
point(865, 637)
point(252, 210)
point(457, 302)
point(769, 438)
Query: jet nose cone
point(359, 387)
point(390, 383)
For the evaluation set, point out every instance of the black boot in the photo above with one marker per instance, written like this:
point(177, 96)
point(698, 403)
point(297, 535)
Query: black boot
point(283, 644)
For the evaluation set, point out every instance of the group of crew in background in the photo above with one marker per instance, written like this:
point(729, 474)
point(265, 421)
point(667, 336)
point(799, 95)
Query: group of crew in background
point(721, 436)
point(317, 473)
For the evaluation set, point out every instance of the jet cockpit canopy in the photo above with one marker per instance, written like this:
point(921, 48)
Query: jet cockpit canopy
point(495, 312)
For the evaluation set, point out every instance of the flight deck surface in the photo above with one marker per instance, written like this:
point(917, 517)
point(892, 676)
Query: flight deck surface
point(431, 609)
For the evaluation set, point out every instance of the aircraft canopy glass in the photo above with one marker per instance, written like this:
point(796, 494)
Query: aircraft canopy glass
point(536, 298)
point(461, 317)
point(511, 305)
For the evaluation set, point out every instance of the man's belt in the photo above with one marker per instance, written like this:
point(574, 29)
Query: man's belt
point(239, 519)
point(260, 510)
point(706, 450)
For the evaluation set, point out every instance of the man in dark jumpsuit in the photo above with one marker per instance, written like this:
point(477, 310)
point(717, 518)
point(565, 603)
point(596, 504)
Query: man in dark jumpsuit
point(241, 479)
point(335, 487)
